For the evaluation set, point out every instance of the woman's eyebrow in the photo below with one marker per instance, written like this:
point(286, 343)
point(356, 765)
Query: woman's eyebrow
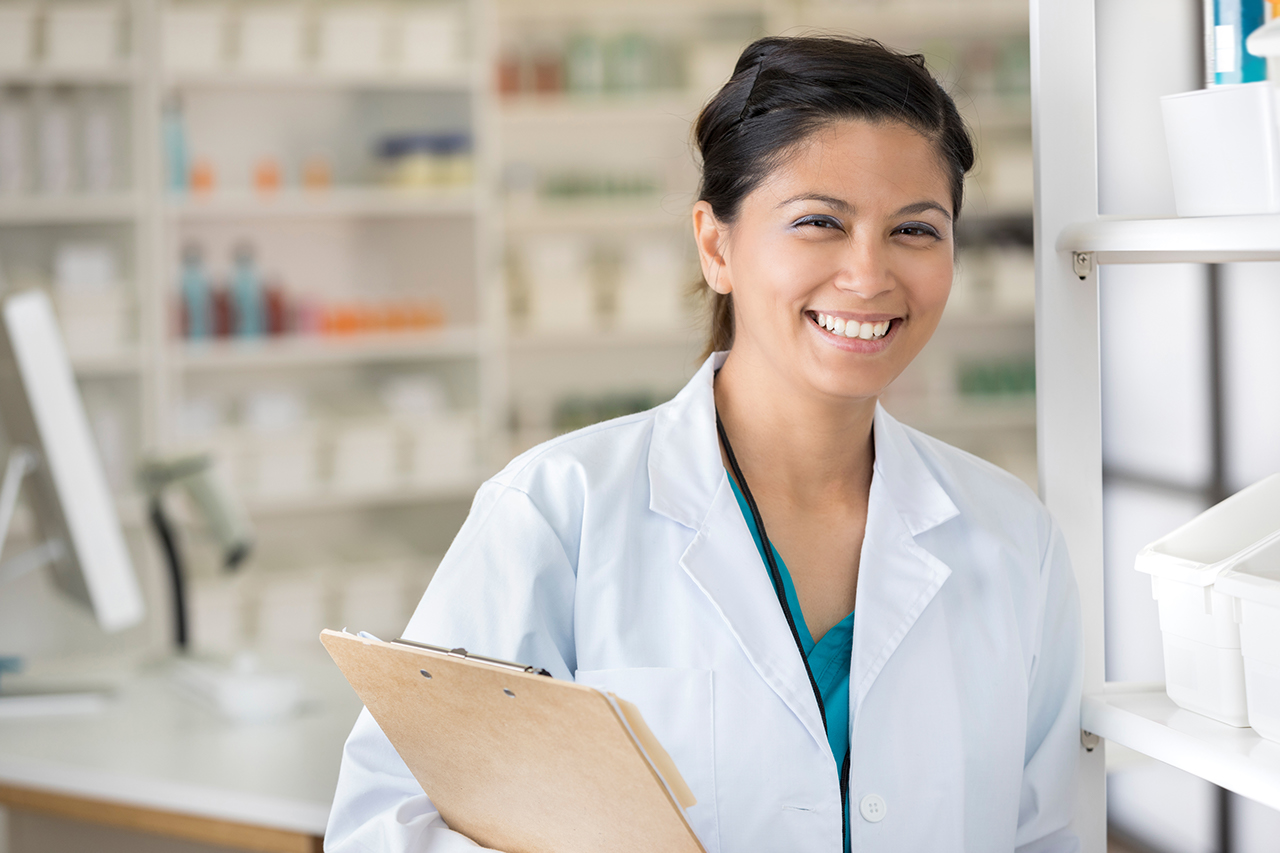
point(830, 201)
point(921, 207)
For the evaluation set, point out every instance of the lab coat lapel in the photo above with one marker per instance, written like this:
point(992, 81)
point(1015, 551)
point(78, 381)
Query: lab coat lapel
point(897, 577)
point(688, 484)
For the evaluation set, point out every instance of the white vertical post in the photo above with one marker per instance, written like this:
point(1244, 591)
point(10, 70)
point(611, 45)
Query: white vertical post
point(1068, 384)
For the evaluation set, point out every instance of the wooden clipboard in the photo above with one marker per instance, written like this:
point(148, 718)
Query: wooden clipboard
point(518, 761)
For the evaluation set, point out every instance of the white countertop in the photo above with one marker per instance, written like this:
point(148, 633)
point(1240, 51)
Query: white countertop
point(155, 749)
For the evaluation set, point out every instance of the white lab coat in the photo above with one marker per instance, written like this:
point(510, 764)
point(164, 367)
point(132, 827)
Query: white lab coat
point(617, 556)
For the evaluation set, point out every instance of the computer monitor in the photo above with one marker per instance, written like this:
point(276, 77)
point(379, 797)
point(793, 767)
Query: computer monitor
point(49, 441)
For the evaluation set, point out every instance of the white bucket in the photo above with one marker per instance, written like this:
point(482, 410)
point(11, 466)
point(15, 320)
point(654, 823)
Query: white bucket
point(1254, 584)
point(1224, 149)
point(1204, 669)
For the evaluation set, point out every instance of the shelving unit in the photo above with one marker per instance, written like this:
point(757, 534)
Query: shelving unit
point(1072, 241)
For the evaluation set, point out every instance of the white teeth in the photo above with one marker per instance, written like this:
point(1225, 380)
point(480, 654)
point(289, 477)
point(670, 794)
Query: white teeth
point(852, 328)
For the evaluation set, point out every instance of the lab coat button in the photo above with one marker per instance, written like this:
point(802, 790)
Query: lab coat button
point(873, 808)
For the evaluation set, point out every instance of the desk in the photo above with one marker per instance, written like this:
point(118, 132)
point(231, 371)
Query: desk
point(156, 762)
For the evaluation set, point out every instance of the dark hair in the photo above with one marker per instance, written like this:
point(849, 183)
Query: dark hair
point(785, 89)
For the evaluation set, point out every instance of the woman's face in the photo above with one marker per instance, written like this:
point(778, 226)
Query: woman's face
point(840, 262)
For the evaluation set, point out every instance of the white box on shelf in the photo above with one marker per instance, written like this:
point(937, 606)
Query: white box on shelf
point(652, 285)
point(442, 450)
point(561, 289)
point(292, 610)
point(1255, 585)
point(376, 599)
point(1224, 149)
point(83, 36)
point(428, 40)
point(353, 39)
point(365, 458)
point(194, 36)
point(93, 321)
point(271, 38)
point(17, 36)
point(284, 464)
point(1204, 670)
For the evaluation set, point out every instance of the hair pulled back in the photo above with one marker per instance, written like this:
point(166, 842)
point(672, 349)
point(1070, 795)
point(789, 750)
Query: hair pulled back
point(783, 90)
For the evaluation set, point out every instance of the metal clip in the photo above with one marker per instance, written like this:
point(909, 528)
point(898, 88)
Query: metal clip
point(1082, 264)
point(1089, 740)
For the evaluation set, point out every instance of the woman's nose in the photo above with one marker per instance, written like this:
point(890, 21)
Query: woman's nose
point(864, 269)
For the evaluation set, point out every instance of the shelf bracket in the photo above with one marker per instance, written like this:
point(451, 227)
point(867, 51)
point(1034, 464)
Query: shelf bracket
point(1089, 740)
point(1082, 264)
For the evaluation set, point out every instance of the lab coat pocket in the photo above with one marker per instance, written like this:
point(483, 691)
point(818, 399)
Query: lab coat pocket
point(677, 706)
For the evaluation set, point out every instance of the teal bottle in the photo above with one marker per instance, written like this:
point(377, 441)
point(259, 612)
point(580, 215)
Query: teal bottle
point(1227, 24)
point(249, 318)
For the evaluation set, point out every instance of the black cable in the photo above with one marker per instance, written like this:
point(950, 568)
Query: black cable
point(170, 546)
point(780, 591)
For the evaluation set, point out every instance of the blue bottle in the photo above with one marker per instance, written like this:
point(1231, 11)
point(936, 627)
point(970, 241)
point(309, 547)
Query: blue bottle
point(249, 319)
point(197, 296)
point(174, 138)
point(1227, 24)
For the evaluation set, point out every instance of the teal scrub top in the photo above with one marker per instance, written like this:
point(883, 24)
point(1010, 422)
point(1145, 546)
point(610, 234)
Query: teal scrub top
point(829, 658)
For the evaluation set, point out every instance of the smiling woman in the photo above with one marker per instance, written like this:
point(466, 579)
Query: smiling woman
point(704, 559)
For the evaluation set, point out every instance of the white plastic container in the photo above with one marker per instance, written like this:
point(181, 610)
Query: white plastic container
point(271, 38)
point(83, 36)
point(1254, 584)
point(1224, 149)
point(429, 40)
point(353, 39)
point(1204, 670)
point(193, 37)
point(17, 36)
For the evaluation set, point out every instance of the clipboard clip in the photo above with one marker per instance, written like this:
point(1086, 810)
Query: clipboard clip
point(466, 655)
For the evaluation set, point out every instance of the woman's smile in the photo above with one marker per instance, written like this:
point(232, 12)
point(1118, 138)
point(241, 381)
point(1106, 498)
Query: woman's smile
point(854, 332)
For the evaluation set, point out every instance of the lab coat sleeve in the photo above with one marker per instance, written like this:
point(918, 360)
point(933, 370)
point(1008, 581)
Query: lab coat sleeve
point(504, 589)
point(1047, 803)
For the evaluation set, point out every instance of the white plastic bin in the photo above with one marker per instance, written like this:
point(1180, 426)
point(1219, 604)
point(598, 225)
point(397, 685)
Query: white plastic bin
point(17, 35)
point(1254, 584)
point(1204, 670)
point(83, 36)
point(1224, 149)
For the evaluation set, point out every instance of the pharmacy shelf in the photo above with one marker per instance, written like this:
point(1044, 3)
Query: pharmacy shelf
point(591, 215)
point(335, 202)
point(317, 79)
point(307, 351)
point(520, 112)
point(68, 209)
point(605, 339)
point(1203, 240)
point(459, 490)
point(119, 75)
point(1143, 718)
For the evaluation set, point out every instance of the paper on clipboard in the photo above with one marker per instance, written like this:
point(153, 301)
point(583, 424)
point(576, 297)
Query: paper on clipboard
point(518, 761)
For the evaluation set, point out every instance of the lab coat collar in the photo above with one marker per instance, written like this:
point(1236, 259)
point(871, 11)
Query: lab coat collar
point(897, 578)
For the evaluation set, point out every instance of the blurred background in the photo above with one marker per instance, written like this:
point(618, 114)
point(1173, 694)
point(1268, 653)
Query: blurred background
point(365, 253)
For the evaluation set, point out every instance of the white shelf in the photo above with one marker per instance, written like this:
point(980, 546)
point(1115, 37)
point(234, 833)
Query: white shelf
point(594, 214)
point(920, 19)
point(307, 351)
point(317, 79)
point(459, 490)
point(1143, 718)
point(123, 362)
point(1205, 239)
point(38, 209)
point(118, 75)
point(596, 110)
point(606, 339)
point(333, 202)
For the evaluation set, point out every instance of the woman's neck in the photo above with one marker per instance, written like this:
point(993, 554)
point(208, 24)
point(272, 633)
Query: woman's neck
point(804, 447)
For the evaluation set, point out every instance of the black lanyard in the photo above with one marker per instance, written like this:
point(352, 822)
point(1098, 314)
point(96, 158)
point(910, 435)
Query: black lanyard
point(781, 591)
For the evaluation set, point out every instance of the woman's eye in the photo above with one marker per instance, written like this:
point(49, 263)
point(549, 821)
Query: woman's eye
point(919, 229)
point(820, 221)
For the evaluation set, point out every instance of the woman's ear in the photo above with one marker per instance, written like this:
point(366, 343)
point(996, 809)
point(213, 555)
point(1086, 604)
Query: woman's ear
point(711, 237)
